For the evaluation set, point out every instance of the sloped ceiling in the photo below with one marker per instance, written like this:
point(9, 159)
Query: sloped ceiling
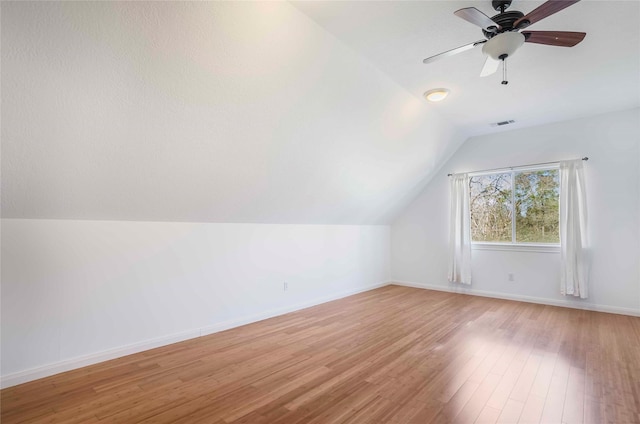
point(271, 112)
point(546, 84)
point(206, 112)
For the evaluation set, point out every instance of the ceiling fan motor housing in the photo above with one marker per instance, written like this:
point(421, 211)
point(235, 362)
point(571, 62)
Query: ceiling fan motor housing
point(506, 21)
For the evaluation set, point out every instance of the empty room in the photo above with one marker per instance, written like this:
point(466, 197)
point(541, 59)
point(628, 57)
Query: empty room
point(282, 212)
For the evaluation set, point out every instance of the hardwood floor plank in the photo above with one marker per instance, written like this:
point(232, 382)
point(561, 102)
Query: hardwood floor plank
point(488, 415)
point(456, 403)
point(540, 385)
point(554, 401)
point(500, 395)
point(511, 412)
point(525, 381)
point(532, 410)
point(573, 411)
point(478, 400)
point(393, 355)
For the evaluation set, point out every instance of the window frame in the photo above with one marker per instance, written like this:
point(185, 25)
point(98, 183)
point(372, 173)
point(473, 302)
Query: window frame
point(514, 245)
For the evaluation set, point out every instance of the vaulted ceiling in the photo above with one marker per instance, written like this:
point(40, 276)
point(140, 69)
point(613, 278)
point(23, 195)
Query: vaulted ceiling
point(268, 112)
point(546, 83)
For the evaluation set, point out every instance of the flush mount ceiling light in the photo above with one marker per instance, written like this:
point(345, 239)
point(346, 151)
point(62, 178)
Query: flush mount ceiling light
point(436, 95)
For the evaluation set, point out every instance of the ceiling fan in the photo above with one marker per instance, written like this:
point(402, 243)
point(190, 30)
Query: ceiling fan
point(503, 35)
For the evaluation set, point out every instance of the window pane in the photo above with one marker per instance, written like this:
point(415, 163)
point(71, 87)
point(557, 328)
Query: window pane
point(536, 201)
point(491, 207)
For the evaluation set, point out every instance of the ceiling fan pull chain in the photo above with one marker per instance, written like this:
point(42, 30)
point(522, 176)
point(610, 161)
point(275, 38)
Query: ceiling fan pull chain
point(504, 72)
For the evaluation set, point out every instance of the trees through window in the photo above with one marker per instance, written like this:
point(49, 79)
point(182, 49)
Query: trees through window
point(515, 207)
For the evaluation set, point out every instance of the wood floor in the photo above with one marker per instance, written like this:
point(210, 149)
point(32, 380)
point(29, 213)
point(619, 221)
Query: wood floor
point(391, 355)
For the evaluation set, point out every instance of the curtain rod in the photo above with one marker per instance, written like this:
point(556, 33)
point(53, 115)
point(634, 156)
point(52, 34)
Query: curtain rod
point(513, 167)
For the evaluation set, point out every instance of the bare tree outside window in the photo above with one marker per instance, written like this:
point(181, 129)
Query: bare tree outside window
point(491, 209)
point(531, 198)
point(537, 206)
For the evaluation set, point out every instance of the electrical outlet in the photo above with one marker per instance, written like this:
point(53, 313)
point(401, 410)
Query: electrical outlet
point(286, 286)
point(511, 277)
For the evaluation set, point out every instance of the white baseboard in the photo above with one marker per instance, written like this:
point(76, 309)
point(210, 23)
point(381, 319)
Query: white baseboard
point(94, 358)
point(285, 310)
point(520, 298)
point(31, 374)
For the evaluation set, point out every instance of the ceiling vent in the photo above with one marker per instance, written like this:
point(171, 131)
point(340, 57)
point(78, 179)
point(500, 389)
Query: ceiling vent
point(502, 123)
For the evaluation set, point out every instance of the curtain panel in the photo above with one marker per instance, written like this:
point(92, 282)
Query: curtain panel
point(573, 230)
point(459, 231)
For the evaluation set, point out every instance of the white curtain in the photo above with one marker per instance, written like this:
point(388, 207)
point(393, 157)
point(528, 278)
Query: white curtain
point(460, 231)
point(573, 223)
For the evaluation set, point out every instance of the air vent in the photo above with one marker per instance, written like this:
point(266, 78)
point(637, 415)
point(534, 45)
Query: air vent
point(502, 123)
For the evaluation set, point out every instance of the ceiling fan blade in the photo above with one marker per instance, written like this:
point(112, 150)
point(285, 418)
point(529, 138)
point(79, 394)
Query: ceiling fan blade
point(490, 66)
point(546, 9)
point(554, 38)
point(453, 51)
point(476, 17)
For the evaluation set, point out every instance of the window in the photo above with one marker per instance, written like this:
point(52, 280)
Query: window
point(515, 207)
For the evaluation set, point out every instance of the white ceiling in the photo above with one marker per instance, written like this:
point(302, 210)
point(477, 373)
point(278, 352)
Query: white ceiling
point(546, 83)
point(252, 112)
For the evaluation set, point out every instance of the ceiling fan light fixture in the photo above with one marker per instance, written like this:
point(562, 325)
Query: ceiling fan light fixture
point(503, 45)
point(436, 95)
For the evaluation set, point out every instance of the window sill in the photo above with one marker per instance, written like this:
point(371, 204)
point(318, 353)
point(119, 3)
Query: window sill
point(521, 247)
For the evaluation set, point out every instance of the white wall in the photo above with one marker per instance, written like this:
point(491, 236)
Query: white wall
point(82, 291)
point(203, 112)
point(419, 235)
point(216, 112)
